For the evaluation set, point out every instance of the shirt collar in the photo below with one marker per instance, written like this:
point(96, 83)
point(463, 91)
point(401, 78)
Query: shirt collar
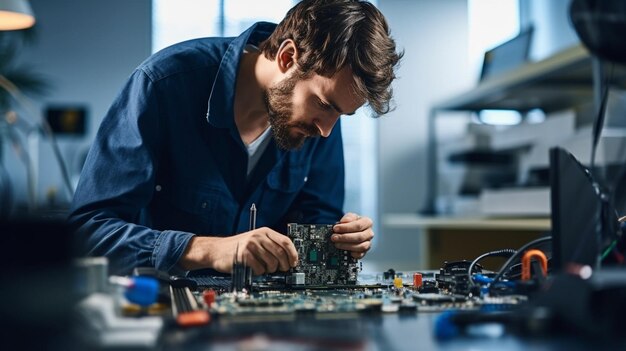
point(220, 111)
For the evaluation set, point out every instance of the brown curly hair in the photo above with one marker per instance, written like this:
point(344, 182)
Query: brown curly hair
point(330, 34)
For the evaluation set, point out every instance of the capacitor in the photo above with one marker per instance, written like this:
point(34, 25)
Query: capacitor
point(417, 280)
point(209, 297)
point(397, 282)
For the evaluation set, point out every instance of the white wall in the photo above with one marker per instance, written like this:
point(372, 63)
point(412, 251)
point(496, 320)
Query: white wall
point(434, 35)
point(553, 30)
point(86, 49)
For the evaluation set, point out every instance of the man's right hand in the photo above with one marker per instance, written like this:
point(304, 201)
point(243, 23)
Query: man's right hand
point(262, 249)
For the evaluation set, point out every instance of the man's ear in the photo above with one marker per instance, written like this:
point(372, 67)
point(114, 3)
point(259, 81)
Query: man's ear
point(287, 55)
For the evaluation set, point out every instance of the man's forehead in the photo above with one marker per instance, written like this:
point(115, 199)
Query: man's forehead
point(340, 90)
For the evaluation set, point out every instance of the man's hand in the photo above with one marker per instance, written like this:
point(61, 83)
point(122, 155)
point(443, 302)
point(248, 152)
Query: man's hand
point(262, 249)
point(353, 233)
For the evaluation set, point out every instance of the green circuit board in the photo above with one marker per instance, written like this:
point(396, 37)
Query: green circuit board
point(320, 262)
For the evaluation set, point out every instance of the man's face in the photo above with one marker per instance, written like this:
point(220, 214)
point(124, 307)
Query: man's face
point(302, 107)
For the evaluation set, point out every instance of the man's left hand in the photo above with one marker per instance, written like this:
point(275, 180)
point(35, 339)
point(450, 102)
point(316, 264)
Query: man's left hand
point(353, 233)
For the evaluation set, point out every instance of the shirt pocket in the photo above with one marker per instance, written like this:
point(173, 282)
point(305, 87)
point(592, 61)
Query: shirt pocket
point(288, 179)
point(200, 200)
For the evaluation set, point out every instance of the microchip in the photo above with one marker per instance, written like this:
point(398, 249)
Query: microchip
point(313, 256)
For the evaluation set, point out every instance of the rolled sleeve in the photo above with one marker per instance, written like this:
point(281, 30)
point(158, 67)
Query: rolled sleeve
point(169, 246)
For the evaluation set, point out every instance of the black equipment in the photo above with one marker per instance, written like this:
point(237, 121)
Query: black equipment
point(601, 24)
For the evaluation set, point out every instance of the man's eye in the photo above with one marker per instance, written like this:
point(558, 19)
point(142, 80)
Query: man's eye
point(324, 105)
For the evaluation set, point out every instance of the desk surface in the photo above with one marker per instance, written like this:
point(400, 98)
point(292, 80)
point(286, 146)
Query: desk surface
point(374, 329)
point(378, 330)
point(409, 220)
point(367, 332)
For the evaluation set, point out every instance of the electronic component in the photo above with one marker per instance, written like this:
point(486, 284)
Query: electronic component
point(333, 303)
point(321, 263)
point(453, 276)
point(209, 297)
point(417, 280)
point(185, 308)
point(269, 300)
point(431, 299)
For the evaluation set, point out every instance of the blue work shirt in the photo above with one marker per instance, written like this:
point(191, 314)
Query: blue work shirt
point(163, 168)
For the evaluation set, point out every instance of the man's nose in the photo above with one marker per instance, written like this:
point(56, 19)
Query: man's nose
point(325, 124)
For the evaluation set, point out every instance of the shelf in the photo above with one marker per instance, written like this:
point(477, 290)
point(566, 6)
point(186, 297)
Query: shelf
point(450, 238)
point(567, 79)
point(409, 220)
point(558, 82)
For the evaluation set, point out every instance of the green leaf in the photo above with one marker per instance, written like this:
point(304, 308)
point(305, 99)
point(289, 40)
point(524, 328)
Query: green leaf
point(28, 81)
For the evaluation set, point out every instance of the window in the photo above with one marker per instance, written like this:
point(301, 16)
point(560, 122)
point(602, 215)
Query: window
point(492, 22)
point(176, 21)
point(361, 158)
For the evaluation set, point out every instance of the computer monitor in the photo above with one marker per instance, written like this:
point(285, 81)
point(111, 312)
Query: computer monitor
point(508, 55)
point(498, 60)
point(576, 208)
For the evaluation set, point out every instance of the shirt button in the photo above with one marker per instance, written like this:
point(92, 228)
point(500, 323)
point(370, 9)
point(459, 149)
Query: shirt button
point(157, 188)
point(306, 178)
point(204, 205)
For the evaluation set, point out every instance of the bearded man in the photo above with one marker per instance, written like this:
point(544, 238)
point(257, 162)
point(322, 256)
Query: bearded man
point(206, 128)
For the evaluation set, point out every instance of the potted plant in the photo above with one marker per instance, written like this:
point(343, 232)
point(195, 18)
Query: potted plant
point(16, 81)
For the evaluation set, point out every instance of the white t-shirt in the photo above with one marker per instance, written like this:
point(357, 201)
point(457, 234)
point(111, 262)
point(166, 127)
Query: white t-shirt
point(256, 148)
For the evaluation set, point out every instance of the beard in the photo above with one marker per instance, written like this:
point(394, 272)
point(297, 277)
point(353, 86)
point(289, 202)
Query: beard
point(288, 134)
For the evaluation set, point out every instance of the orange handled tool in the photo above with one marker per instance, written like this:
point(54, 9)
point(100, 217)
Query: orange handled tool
point(528, 256)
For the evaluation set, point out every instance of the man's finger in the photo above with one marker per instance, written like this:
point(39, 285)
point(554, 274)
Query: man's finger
point(271, 263)
point(349, 217)
point(278, 252)
point(287, 245)
point(358, 255)
point(352, 237)
point(356, 225)
point(258, 268)
point(361, 247)
point(265, 257)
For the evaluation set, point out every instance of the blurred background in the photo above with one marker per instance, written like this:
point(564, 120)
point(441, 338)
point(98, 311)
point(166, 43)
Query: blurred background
point(441, 152)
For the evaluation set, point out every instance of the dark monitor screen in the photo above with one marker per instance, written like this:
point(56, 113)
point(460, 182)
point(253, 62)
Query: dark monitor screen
point(500, 59)
point(508, 55)
point(576, 210)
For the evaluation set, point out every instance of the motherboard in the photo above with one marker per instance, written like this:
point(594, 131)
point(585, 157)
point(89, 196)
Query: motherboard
point(327, 283)
point(372, 294)
point(320, 262)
